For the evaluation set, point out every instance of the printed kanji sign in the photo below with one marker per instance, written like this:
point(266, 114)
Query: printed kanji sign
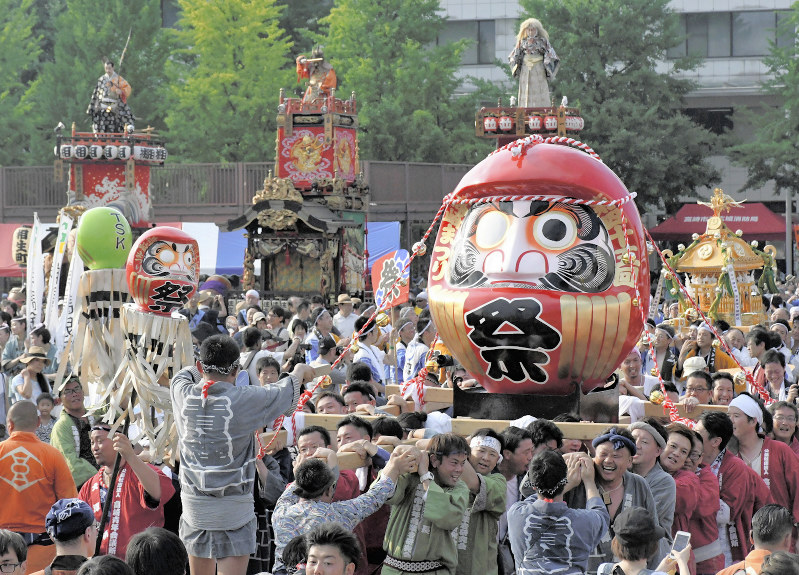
point(384, 272)
point(512, 338)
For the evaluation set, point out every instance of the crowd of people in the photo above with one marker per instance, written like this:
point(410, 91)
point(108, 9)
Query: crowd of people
point(83, 496)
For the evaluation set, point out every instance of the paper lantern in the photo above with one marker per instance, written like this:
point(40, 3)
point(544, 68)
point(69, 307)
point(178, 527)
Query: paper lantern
point(163, 269)
point(81, 152)
point(110, 152)
point(66, 151)
point(123, 152)
point(490, 124)
point(95, 152)
point(534, 123)
point(551, 123)
point(104, 238)
point(575, 123)
point(20, 243)
point(506, 123)
point(532, 295)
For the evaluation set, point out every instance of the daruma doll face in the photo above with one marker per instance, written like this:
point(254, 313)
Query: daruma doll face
point(530, 284)
point(163, 269)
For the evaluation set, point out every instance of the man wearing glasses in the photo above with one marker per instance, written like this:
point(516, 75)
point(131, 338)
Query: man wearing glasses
point(13, 553)
point(698, 390)
point(71, 433)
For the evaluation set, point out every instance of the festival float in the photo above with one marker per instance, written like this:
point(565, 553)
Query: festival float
point(117, 329)
point(718, 270)
point(306, 226)
point(110, 166)
point(539, 281)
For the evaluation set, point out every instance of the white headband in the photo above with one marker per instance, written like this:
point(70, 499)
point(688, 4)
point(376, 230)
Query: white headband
point(749, 406)
point(404, 325)
point(704, 327)
point(370, 330)
point(487, 441)
point(321, 313)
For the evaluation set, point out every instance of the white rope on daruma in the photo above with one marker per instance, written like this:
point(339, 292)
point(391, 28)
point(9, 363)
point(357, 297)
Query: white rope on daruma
point(540, 198)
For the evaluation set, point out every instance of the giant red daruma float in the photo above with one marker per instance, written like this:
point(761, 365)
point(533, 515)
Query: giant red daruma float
point(539, 277)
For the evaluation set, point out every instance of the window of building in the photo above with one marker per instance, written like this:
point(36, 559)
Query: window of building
point(752, 31)
point(718, 120)
point(482, 33)
point(729, 34)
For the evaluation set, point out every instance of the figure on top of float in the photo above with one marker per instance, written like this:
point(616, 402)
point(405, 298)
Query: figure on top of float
point(535, 63)
point(320, 75)
point(109, 104)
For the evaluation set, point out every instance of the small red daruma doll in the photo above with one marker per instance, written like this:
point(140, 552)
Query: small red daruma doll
point(163, 268)
point(530, 284)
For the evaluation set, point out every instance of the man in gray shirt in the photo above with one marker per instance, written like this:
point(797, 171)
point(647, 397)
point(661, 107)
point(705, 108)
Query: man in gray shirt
point(216, 423)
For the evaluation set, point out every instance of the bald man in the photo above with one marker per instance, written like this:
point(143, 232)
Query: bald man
point(35, 476)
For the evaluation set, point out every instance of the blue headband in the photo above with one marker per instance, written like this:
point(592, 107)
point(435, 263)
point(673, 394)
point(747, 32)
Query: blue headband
point(617, 440)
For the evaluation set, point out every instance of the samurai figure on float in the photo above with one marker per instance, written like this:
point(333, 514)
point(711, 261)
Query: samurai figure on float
point(109, 104)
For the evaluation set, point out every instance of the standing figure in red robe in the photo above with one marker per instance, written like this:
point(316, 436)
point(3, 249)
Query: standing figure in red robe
point(320, 75)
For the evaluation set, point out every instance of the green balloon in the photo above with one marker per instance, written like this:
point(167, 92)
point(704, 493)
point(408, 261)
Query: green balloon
point(104, 238)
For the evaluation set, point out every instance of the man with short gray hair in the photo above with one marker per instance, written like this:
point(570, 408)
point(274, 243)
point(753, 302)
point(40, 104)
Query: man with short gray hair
point(772, 529)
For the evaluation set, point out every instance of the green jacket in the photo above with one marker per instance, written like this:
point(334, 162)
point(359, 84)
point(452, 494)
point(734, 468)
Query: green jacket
point(66, 438)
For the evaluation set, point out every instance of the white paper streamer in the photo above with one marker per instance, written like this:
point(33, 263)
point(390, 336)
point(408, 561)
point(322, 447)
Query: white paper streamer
point(66, 321)
point(35, 283)
point(653, 308)
point(736, 296)
point(51, 316)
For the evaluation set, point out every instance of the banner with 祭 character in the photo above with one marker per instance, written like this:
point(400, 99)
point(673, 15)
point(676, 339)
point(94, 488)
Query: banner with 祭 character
point(538, 270)
point(384, 273)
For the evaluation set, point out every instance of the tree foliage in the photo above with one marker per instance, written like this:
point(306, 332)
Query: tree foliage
point(87, 32)
point(226, 80)
point(609, 51)
point(405, 83)
point(301, 19)
point(19, 53)
point(772, 150)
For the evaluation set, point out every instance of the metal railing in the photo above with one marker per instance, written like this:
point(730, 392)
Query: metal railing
point(216, 192)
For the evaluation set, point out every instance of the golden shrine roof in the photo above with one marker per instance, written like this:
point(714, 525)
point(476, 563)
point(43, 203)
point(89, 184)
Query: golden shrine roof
point(707, 254)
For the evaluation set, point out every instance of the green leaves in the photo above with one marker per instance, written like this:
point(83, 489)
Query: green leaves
point(223, 101)
point(84, 34)
point(19, 57)
point(405, 84)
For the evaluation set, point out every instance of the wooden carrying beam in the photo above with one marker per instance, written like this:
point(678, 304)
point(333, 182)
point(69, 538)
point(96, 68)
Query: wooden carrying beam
point(431, 394)
point(466, 426)
point(655, 410)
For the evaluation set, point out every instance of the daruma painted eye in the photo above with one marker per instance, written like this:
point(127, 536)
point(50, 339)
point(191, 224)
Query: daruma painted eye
point(167, 255)
point(491, 229)
point(555, 231)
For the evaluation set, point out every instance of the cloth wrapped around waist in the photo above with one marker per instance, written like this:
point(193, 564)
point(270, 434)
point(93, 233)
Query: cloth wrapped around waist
point(217, 513)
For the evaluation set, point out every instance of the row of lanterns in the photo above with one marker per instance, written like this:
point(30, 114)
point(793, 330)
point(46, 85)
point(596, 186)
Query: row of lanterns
point(534, 123)
point(95, 152)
